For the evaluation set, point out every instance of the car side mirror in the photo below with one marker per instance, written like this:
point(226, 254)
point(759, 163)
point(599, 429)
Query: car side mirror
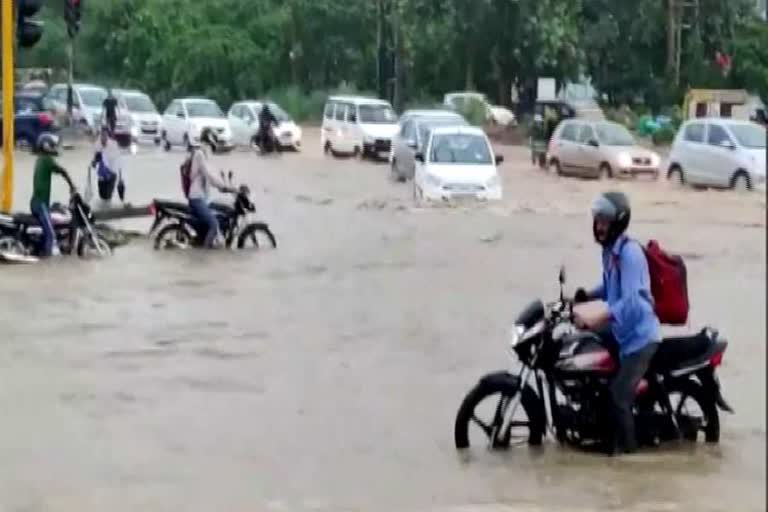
point(419, 157)
point(499, 159)
point(593, 143)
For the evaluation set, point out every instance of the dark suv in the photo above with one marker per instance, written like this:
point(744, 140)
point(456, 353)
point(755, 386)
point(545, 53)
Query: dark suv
point(30, 118)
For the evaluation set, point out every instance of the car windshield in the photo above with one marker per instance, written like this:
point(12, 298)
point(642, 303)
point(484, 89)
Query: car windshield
point(614, 135)
point(459, 148)
point(279, 113)
point(377, 114)
point(139, 103)
point(92, 97)
point(749, 136)
point(204, 109)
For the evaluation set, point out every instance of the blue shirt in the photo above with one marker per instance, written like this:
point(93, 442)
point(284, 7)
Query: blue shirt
point(628, 293)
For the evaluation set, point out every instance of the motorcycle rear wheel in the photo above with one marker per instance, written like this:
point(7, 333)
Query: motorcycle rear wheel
point(690, 423)
point(506, 392)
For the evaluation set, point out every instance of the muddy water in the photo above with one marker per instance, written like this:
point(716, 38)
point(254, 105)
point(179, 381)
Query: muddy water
point(326, 375)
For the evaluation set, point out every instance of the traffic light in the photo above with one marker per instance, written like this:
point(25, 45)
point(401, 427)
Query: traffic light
point(28, 30)
point(72, 13)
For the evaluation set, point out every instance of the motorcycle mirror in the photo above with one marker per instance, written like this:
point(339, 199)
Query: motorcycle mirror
point(561, 276)
point(223, 178)
point(231, 176)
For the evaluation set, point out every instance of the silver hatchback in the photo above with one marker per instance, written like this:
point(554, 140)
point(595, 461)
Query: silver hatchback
point(415, 127)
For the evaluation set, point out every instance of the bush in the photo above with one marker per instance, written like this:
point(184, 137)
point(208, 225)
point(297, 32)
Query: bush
point(664, 136)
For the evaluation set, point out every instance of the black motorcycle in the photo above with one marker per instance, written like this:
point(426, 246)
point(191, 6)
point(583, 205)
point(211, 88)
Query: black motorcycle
point(562, 386)
point(266, 143)
point(73, 227)
point(181, 229)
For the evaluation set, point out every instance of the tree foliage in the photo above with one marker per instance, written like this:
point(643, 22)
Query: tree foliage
point(232, 49)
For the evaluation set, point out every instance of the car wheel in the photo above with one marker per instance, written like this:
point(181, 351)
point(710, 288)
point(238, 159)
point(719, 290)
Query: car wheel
point(740, 182)
point(604, 172)
point(676, 176)
point(554, 166)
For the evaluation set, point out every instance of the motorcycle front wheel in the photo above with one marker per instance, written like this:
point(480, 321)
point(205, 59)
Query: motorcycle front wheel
point(256, 236)
point(173, 236)
point(93, 247)
point(484, 408)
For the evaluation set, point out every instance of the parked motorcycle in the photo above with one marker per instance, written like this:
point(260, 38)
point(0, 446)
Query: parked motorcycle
point(177, 227)
point(73, 227)
point(562, 385)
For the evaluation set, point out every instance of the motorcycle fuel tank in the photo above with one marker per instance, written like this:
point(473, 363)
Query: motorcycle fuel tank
point(584, 352)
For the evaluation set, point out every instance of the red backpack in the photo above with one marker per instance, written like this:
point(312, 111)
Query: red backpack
point(669, 284)
point(186, 176)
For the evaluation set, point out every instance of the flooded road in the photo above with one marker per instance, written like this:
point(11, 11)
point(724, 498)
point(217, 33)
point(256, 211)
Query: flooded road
point(325, 376)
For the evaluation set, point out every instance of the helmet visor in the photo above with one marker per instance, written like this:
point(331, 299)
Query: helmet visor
point(603, 208)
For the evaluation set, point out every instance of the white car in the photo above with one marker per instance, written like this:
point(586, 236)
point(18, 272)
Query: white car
point(457, 162)
point(244, 120)
point(719, 152)
point(358, 125)
point(87, 103)
point(145, 122)
point(494, 113)
point(186, 118)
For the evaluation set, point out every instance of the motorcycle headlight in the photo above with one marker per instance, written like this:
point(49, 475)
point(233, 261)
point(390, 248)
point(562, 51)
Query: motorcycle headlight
point(516, 335)
point(624, 160)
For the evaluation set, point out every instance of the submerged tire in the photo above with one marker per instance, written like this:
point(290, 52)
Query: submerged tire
point(689, 427)
point(93, 247)
point(173, 236)
point(251, 235)
point(507, 390)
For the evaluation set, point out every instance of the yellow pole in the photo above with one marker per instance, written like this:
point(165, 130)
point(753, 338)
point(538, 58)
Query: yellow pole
point(6, 185)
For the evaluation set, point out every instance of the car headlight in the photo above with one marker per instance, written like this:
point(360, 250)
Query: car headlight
point(655, 160)
point(434, 181)
point(297, 132)
point(134, 130)
point(624, 160)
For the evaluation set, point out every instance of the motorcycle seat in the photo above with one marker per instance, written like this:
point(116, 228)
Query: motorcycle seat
point(25, 219)
point(681, 351)
point(171, 205)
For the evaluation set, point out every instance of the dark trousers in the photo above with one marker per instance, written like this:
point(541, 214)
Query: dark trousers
point(632, 369)
point(43, 216)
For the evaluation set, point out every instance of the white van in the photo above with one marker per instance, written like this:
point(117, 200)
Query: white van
point(359, 126)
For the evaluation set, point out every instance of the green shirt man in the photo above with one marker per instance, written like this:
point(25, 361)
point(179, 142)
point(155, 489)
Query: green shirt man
point(45, 168)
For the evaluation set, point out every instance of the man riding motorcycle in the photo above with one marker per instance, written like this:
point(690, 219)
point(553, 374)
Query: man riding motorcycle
point(626, 318)
point(200, 180)
point(266, 121)
point(45, 167)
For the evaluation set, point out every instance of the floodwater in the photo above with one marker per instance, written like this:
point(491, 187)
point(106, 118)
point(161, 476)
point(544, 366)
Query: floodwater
point(325, 376)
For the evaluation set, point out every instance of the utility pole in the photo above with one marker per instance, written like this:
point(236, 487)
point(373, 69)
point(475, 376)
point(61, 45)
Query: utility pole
point(682, 15)
point(397, 94)
point(6, 187)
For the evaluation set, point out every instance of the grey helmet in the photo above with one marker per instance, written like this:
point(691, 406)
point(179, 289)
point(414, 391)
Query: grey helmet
point(47, 144)
point(614, 207)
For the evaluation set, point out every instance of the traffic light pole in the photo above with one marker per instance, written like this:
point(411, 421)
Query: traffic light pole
point(6, 185)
